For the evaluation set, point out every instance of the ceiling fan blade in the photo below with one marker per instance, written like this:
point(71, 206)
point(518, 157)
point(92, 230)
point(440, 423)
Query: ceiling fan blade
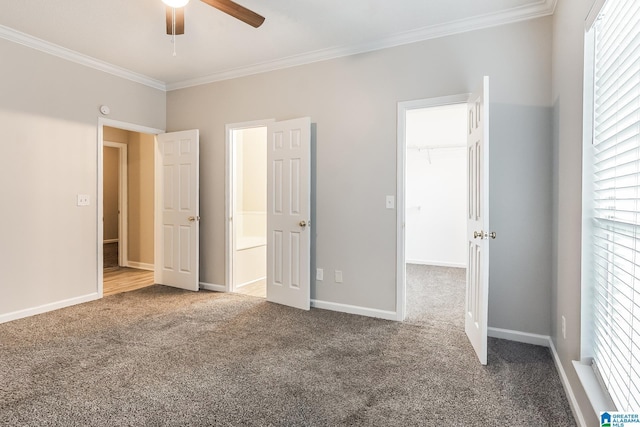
point(240, 12)
point(179, 20)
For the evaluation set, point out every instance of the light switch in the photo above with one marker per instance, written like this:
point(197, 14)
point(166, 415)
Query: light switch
point(391, 202)
point(319, 274)
point(83, 200)
point(338, 276)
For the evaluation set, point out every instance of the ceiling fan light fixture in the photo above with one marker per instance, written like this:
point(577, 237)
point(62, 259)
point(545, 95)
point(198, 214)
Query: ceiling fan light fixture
point(175, 3)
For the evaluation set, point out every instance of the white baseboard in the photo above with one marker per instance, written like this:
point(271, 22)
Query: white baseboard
point(573, 402)
point(110, 241)
point(212, 287)
point(436, 263)
point(352, 309)
point(47, 307)
point(140, 265)
point(518, 336)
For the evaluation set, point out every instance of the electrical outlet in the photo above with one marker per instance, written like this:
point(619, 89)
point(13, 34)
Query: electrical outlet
point(83, 200)
point(338, 276)
point(564, 328)
point(319, 274)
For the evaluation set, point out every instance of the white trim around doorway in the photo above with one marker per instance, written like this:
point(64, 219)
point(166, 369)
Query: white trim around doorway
point(228, 190)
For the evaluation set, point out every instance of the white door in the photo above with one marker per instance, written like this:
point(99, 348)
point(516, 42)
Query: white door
point(177, 210)
point(478, 235)
point(288, 212)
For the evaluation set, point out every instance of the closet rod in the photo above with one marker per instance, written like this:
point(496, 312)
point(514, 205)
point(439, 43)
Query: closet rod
point(433, 147)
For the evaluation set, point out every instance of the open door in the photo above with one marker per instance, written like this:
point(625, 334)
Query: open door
point(288, 212)
point(478, 235)
point(177, 210)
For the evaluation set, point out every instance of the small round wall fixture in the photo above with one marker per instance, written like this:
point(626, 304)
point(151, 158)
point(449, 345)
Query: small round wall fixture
point(104, 109)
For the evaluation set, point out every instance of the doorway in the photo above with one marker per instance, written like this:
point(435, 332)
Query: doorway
point(247, 208)
point(114, 204)
point(128, 210)
point(432, 255)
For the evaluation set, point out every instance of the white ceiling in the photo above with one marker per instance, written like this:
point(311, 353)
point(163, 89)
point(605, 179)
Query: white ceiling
point(130, 34)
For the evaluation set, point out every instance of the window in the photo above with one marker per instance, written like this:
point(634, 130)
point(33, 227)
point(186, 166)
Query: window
point(612, 190)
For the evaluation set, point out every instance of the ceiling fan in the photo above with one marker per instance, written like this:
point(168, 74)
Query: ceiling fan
point(175, 13)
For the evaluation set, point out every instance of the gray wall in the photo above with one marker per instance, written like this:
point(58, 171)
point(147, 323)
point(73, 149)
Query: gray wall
point(48, 134)
point(567, 89)
point(48, 126)
point(353, 101)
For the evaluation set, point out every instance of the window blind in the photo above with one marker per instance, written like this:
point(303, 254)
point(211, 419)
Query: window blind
point(616, 202)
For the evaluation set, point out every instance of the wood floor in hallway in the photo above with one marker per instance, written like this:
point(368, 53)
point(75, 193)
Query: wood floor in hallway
point(123, 279)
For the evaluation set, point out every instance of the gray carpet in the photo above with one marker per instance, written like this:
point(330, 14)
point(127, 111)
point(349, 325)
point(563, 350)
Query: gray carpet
point(165, 357)
point(435, 296)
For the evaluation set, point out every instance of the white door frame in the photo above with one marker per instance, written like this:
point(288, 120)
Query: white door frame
point(403, 107)
point(100, 171)
point(123, 205)
point(229, 187)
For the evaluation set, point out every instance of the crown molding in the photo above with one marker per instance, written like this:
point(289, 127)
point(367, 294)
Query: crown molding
point(79, 58)
point(517, 14)
point(522, 13)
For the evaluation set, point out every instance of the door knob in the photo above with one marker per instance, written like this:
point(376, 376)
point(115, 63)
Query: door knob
point(303, 223)
point(484, 235)
point(193, 218)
